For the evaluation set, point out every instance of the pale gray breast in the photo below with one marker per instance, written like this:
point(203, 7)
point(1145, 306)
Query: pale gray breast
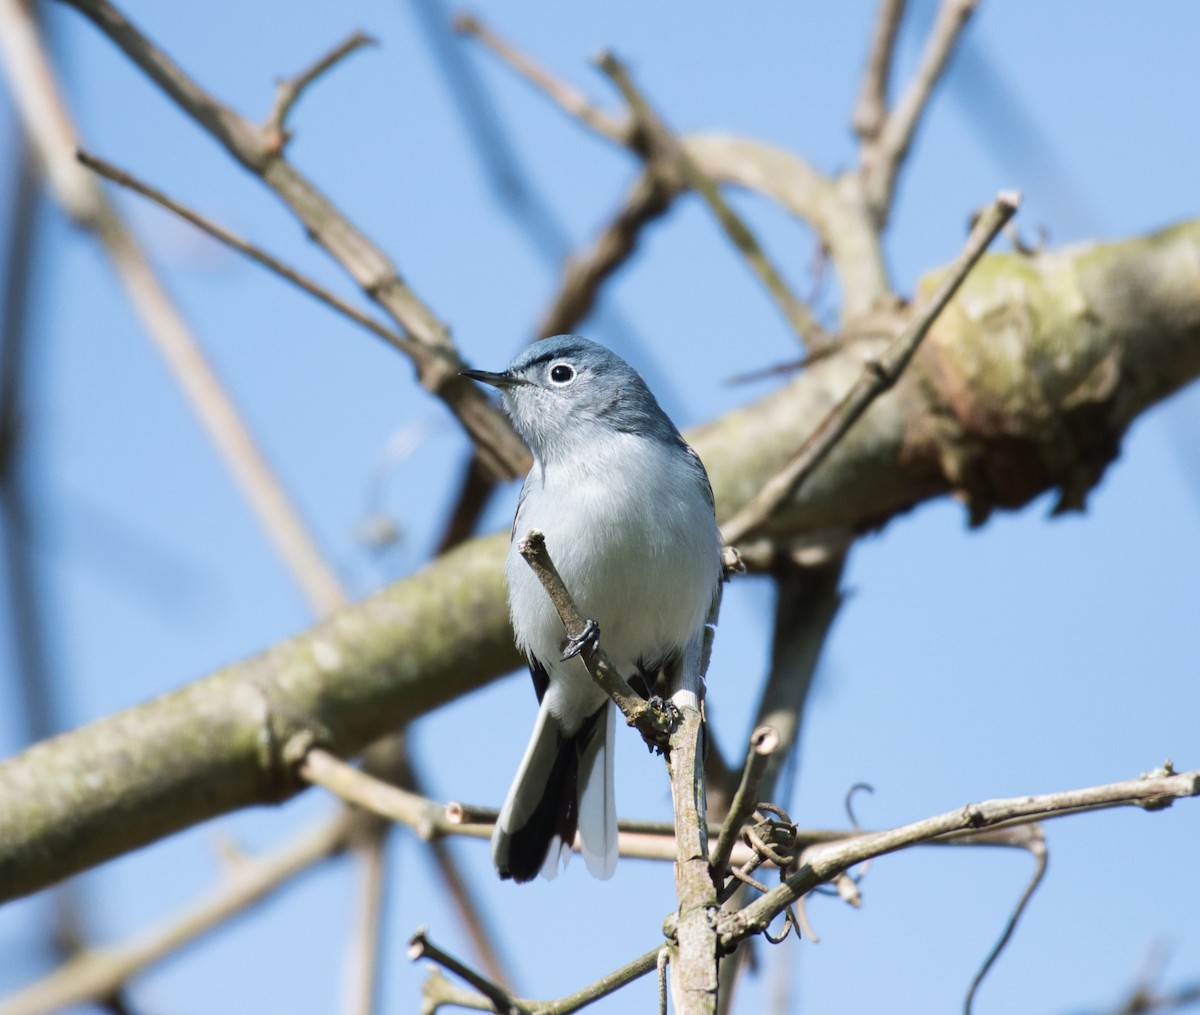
point(640, 552)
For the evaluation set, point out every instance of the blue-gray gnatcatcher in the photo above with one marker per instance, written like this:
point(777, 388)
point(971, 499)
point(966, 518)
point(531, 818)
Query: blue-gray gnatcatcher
point(627, 512)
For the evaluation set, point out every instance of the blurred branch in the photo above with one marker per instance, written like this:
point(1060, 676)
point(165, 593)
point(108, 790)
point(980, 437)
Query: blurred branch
point(433, 353)
point(289, 90)
point(648, 200)
point(439, 992)
point(362, 962)
point(871, 110)
point(572, 102)
point(35, 681)
point(833, 209)
point(884, 153)
point(98, 973)
point(878, 376)
point(242, 246)
point(664, 148)
point(49, 125)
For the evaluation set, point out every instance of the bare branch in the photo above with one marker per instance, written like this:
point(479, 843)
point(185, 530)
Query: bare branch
point(49, 125)
point(693, 934)
point(1037, 846)
point(648, 200)
point(255, 253)
point(361, 977)
point(420, 947)
point(289, 90)
point(665, 148)
point(434, 355)
point(99, 973)
point(871, 110)
point(571, 101)
point(882, 164)
point(764, 742)
point(819, 864)
point(878, 376)
point(439, 991)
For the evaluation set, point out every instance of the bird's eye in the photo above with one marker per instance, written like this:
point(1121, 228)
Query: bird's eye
point(560, 373)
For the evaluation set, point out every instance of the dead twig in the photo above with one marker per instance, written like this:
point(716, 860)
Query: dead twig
point(764, 742)
point(289, 90)
point(664, 148)
point(434, 355)
point(822, 863)
point(243, 246)
point(884, 154)
point(420, 947)
point(1037, 847)
point(878, 375)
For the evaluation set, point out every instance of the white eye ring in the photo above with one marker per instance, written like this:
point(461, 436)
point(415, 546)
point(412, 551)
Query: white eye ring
point(561, 373)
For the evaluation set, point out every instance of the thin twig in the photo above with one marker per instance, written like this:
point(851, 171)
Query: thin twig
point(54, 136)
point(434, 355)
point(243, 246)
point(361, 977)
point(289, 90)
point(98, 973)
point(820, 864)
point(764, 741)
point(420, 947)
point(663, 146)
point(465, 900)
point(871, 109)
point(648, 200)
point(1037, 847)
point(653, 721)
point(901, 124)
point(572, 102)
point(878, 375)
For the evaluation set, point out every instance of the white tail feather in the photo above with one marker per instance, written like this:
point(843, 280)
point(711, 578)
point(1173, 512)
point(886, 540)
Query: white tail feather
point(597, 804)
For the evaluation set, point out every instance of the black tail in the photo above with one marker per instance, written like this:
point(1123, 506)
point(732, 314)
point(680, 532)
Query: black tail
point(520, 853)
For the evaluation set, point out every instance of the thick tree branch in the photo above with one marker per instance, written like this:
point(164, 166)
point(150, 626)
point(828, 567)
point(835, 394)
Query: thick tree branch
point(1115, 328)
point(878, 375)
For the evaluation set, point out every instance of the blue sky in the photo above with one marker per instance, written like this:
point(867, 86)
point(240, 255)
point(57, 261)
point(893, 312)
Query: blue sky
point(1029, 656)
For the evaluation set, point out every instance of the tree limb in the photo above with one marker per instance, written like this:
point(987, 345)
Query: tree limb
point(1115, 328)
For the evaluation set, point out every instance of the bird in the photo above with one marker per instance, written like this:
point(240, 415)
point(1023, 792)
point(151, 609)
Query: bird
point(628, 516)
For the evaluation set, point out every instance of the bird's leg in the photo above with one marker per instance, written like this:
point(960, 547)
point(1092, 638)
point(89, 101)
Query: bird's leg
point(586, 640)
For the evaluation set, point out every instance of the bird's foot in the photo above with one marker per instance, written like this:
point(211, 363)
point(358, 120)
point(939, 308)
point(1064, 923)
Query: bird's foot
point(659, 741)
point(586, 640)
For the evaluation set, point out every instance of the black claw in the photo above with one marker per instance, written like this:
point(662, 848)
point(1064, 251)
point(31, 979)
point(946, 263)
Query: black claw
point(588, 639)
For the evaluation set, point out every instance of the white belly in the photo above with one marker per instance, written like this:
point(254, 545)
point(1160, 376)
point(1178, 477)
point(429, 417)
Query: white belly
point(641, 557)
